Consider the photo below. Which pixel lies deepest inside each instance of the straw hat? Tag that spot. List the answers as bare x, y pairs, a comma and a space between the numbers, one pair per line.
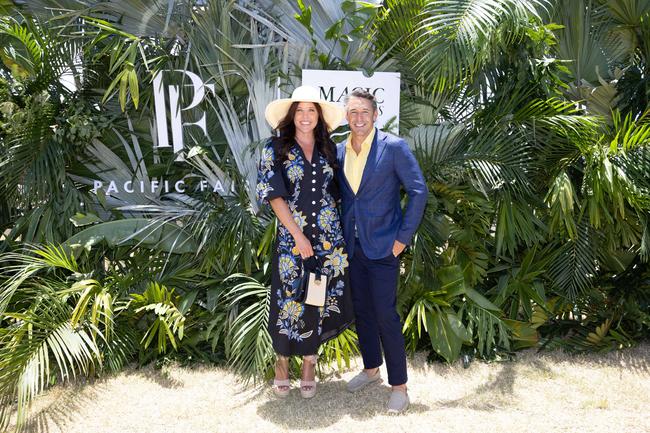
333, 114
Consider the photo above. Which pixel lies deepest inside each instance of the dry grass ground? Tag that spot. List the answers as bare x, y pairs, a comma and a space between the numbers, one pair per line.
548, 392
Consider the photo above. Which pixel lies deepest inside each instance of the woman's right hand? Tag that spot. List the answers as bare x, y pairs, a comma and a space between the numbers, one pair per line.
304, 246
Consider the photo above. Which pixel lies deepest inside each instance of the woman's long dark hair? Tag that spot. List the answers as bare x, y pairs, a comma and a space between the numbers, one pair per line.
287, 135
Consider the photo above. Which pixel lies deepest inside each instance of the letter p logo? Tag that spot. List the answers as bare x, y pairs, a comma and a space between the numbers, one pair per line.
176, 111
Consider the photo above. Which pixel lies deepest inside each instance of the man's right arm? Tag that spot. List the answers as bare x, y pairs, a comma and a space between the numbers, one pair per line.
410, 175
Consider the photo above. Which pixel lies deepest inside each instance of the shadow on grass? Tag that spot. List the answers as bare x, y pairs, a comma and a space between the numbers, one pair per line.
78, 396
61, 411
496, 394
634, 360
160, 376
331, 403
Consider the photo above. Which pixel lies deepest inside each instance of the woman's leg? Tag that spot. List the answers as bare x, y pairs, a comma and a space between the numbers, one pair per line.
281, 383
308, 376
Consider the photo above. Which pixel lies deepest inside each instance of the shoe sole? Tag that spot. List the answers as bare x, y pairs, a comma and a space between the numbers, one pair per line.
397, 412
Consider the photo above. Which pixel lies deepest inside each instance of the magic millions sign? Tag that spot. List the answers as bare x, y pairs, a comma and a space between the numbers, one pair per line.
336, 85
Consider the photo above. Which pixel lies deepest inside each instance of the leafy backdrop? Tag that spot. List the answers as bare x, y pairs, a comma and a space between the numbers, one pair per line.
529, 118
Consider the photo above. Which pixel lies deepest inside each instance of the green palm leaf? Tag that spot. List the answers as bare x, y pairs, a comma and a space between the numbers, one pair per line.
6, 6
248, 343
438, 147
340, 349
455, 35
574, 264
42, 333
150, 233
19, 267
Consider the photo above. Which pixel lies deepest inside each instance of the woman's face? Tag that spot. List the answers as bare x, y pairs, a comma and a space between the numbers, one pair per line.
306, 117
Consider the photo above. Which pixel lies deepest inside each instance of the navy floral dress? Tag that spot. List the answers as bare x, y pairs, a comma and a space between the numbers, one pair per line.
309, 189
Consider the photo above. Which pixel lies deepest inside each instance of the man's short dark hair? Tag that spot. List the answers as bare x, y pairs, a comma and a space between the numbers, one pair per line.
363, 94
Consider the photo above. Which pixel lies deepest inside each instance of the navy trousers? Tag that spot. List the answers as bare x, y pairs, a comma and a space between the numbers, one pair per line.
374, 294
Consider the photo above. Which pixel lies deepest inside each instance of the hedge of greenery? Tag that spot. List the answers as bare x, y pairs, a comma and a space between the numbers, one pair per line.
529, 118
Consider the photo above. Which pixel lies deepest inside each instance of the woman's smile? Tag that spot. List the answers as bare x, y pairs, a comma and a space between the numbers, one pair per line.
306, 117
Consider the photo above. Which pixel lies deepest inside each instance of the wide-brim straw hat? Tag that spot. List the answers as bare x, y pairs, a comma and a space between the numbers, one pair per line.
333, 114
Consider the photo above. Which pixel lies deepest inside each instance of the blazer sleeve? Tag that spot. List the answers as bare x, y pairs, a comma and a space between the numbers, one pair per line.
270, 177
412, 180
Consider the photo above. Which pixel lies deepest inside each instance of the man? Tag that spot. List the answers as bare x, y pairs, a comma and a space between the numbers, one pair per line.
373, 167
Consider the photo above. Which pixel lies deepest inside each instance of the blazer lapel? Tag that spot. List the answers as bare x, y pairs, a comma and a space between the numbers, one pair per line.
342, 167
376, 150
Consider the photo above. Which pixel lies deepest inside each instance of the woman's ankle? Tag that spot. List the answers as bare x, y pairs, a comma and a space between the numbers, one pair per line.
282, 368
308, 365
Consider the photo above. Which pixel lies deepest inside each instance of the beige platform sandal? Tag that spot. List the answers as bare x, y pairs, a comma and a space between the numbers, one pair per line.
308, 387
282, 387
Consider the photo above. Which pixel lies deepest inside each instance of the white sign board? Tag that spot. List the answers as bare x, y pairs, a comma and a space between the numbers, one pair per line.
336, 85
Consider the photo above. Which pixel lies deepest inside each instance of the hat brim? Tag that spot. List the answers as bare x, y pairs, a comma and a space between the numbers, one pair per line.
333, 114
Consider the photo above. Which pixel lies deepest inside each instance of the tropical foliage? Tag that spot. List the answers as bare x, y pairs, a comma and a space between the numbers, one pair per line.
530, 119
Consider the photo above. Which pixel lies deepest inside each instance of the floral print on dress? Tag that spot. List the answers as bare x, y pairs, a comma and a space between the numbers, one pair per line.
326, 219
287, 268
295, 171
307, 188
337, 261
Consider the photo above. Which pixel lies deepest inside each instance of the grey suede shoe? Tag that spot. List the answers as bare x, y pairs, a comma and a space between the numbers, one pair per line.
398, 402
362, 379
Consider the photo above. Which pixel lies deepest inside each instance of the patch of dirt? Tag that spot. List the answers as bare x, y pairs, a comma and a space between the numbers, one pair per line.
547, 392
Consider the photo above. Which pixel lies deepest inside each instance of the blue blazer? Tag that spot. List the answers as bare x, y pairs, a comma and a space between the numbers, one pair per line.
375, 209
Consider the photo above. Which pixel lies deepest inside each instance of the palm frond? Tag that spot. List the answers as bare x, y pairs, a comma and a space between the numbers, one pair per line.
437, 147
517, 224
581, 40
42, 333
499, 158
340, 349
248, 343
563, 202
242, 60
454, 35
20, 266
492, 334
153, 233
318, 21
158, 303
574, 265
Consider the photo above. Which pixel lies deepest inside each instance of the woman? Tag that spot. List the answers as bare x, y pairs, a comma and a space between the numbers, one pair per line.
296, 176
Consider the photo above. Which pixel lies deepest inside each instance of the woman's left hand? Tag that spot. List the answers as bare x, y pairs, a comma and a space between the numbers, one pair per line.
304, 246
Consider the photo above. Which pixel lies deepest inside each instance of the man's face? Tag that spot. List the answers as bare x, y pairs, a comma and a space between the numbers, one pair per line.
361, 116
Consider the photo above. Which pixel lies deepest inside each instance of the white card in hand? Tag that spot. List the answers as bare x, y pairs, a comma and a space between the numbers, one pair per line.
316, 290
